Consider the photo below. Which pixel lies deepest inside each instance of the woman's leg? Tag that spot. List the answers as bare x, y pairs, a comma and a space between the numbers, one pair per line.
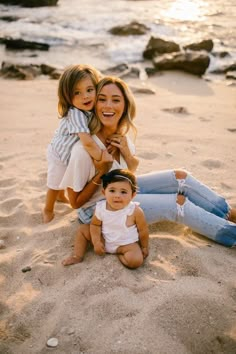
130, 255
177, 208
81, 242
179, 181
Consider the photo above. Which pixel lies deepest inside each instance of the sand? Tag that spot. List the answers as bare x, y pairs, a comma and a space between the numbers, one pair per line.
183, 299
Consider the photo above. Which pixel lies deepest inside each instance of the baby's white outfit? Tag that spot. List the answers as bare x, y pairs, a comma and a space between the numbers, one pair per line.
114, 229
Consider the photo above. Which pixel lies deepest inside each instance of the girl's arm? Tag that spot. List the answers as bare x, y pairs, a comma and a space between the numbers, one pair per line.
142, 230
78, 199
90, 146
96, 236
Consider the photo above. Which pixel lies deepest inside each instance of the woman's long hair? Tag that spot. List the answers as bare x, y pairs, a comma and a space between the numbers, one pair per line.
126, 121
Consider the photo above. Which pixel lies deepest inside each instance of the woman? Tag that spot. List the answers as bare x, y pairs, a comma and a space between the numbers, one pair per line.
172, 195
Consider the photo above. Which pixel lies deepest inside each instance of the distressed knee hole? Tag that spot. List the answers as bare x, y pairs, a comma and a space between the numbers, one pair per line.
180, 174
180, 199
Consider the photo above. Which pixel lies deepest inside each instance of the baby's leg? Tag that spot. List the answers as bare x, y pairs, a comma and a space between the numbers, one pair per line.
81, 242
130, 255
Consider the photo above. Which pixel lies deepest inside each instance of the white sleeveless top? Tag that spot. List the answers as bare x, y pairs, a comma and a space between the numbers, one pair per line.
114, 229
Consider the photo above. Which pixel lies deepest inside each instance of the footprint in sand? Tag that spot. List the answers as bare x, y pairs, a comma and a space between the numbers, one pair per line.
148, 155
212, 164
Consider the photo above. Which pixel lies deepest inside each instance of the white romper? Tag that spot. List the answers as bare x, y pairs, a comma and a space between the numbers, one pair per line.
114, 229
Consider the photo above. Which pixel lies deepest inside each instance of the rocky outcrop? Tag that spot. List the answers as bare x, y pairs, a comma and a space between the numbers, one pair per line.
206, 45
191, 62
133, 28
28, 72
21, 44
159, 46
30, 3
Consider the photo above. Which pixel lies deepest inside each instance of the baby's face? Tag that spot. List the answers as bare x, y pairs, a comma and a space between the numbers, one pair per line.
84, 95
118, 195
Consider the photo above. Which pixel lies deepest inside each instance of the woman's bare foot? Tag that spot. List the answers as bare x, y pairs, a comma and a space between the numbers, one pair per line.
47, 216
72, 260
232, 215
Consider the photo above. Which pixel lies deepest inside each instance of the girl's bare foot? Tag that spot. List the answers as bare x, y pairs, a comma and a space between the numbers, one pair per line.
72, 260
232, 215
47, 216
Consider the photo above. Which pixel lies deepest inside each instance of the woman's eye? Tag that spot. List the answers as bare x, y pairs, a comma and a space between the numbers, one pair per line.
101, 100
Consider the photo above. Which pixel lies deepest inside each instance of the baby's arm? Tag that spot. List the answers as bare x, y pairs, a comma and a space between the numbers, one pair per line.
96, 236
90, 146
142, 230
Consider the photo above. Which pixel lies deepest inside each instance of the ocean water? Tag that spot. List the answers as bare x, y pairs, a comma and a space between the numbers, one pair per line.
77, 30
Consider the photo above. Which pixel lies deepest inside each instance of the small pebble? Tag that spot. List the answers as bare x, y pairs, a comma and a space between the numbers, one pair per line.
52, 342
26, 269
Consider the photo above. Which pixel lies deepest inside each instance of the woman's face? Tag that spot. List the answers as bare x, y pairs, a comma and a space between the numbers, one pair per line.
110, 105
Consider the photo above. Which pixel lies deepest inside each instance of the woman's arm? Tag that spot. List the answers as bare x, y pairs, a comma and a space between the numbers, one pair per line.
78, 199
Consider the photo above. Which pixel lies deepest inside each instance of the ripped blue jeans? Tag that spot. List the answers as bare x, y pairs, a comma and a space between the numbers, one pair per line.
204, 211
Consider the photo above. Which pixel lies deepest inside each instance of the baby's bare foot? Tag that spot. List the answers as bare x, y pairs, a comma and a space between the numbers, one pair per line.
72, 260
47, 216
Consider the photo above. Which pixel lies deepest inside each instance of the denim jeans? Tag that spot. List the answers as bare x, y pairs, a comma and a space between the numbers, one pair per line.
204, 211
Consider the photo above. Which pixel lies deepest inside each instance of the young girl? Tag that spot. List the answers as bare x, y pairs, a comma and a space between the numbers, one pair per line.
76, 99
118, 225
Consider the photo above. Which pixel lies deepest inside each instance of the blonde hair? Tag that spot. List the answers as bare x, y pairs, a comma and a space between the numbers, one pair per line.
126, 121
67, 82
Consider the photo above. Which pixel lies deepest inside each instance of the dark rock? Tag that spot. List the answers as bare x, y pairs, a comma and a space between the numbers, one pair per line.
206, 44
9, 18
21, 72
133, 28
20, 44
30, 3
26, 269
230, 75
222, 54
159, 46
114, 70
191, 62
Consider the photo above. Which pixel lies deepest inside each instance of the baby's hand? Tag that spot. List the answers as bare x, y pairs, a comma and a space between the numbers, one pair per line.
145, 251
99, 248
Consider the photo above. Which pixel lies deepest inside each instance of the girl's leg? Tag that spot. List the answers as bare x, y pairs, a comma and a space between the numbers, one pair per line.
61, 197
179, 181
130, 255
51, 197
81, 242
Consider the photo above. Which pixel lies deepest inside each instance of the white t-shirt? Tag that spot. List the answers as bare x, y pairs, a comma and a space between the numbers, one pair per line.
81, 169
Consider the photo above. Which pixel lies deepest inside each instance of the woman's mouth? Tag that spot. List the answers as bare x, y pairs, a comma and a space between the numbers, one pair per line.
108, 114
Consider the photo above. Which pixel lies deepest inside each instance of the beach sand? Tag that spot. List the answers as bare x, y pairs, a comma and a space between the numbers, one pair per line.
183, 299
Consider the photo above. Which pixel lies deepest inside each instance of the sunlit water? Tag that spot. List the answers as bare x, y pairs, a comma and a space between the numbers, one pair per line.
77, 30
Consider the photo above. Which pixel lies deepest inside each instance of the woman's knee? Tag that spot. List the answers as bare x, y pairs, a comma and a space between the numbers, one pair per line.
180, 174
180, 199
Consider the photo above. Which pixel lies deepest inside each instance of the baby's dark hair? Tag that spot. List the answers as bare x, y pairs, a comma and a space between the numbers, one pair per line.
119, 175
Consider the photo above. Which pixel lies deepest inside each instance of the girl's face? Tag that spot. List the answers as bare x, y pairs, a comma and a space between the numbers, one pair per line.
110, 105
118, 195
84, 95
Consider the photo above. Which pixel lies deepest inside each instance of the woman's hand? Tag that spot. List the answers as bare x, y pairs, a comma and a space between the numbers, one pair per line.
104, 165
120, 142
